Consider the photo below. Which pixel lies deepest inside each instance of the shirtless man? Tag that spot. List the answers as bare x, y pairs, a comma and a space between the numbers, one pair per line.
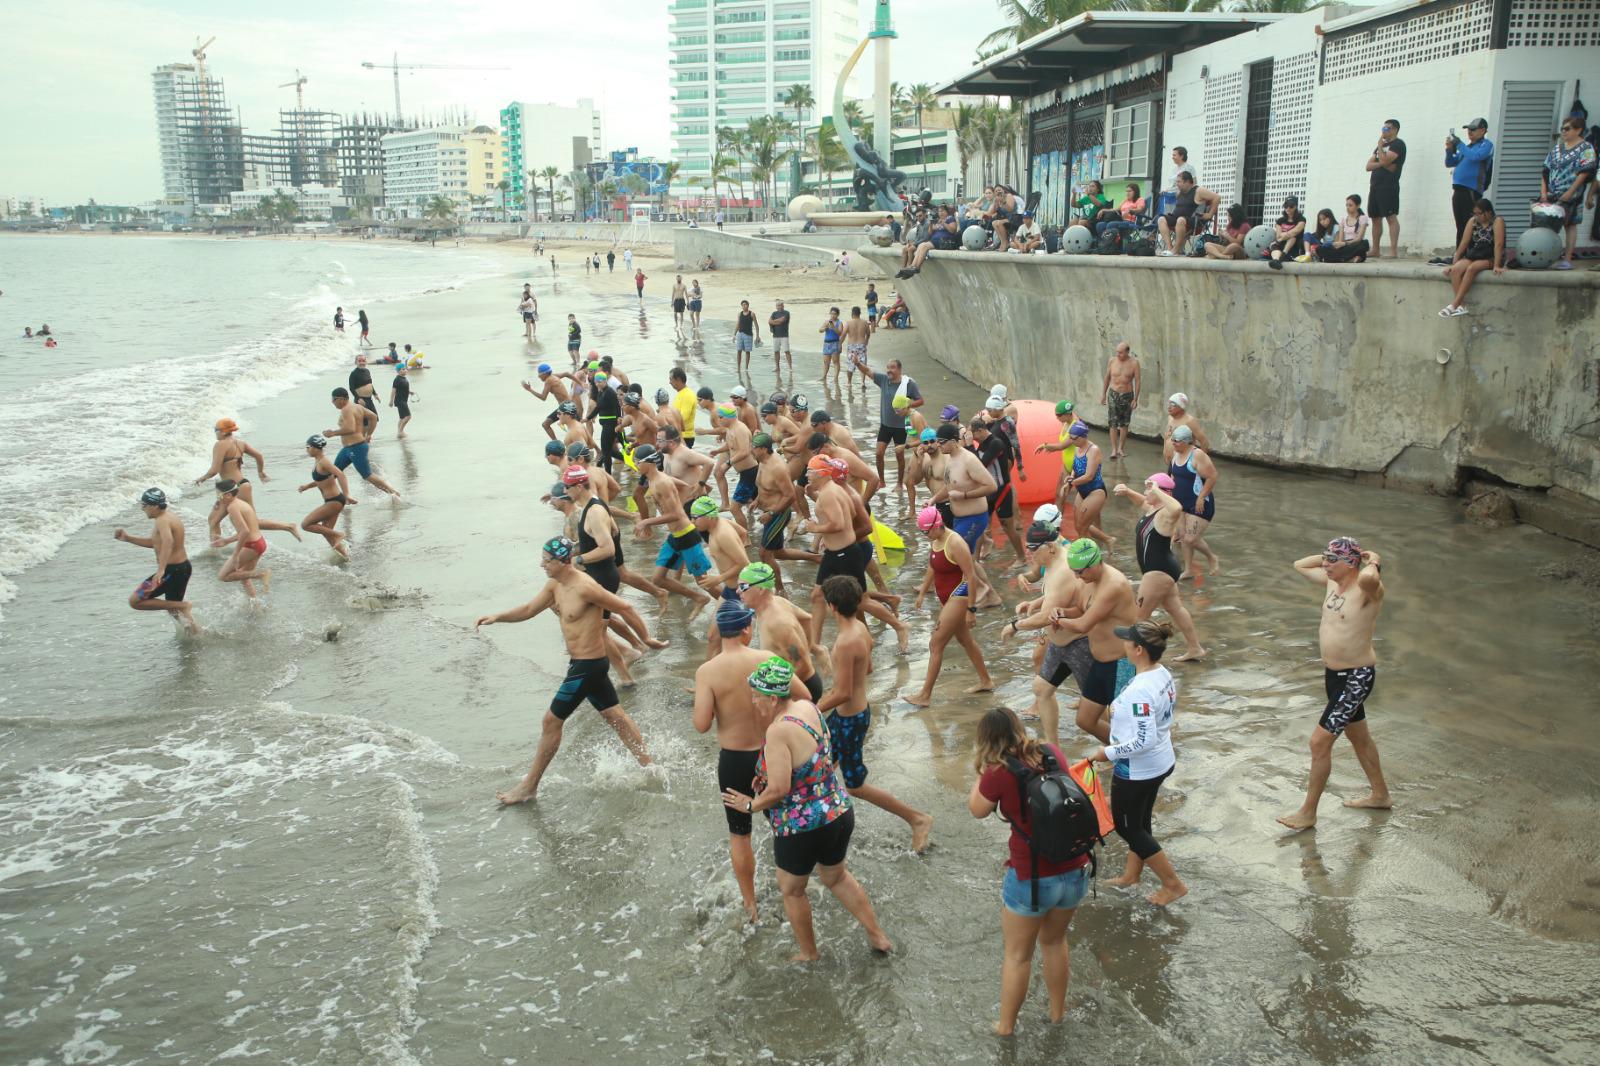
857, 332
353, 435
967, 488
164, 589
550, 387
573, 431
1178, 415
847, 711
252, 545
1352, 597
722, 696
774, 507
740, 398
692, 470
1064, 652
1106, 596
680, 300
781, 428
683, 545
1119, 391
783, 625
736, 437
580, 603
850, 552
822, 422
860, 472
666, 413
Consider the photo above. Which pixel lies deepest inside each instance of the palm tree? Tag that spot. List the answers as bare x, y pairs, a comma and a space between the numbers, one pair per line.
966, 136
799, 98
922, 97
669, 174
440, 208
763, 134
549, 174
830, 156
578, 182
1026, 18
605, 193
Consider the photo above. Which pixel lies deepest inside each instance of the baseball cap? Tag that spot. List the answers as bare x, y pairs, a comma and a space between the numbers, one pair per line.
1179, 400
1478, 124
1083, 553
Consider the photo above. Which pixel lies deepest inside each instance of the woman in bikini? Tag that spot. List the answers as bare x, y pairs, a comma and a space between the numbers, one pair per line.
329, 481
227, 462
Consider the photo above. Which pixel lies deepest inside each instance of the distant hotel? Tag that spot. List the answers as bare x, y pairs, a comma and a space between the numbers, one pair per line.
535, 136
734, 59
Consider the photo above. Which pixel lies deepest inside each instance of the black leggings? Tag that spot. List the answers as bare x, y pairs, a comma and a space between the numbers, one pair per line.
608, 442
1132, 804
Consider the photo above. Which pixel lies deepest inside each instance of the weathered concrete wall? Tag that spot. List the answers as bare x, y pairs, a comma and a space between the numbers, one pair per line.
1344, 368
736, 250
603, 232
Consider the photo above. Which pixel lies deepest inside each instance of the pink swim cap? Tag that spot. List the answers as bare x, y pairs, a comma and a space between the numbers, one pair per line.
1163, 482
929, 517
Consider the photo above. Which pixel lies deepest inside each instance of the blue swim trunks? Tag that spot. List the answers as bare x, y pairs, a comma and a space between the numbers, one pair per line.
354, 455
685, 549
745, 491
742, 342
969, 528
848, 735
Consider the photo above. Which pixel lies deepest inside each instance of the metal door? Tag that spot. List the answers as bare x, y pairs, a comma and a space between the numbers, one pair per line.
1530, 112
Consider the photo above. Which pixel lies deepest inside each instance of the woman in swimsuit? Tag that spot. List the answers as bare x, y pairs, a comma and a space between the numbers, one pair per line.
950, 572
1194, 478
329, 481
798, 788
1090, 497
1160, 520
696, 302
227, 462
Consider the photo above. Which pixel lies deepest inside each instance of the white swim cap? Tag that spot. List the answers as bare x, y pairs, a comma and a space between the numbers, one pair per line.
1179, 400
998, 390
1048, 515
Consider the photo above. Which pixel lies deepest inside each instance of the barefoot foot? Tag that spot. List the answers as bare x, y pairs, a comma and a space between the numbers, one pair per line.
1298, 821
881, 944
921, 826
266, 580
1371, 802
513, 796
1163, 896
986, 685
1123, 882
919, 700
1192, 656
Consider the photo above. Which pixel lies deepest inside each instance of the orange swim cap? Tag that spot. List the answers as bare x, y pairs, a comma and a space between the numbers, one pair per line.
227, 425
827, 466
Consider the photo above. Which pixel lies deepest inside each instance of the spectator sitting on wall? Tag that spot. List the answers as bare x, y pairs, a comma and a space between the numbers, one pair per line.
1231, 244
1027, 238
1195, 209
1569, 166
1287, 232
1482, 247
1350, 238
1124, 216
1007, 216
977, 209
1090, 205
917, 230
1472, 166
1320, 236
943, 234
1383, 195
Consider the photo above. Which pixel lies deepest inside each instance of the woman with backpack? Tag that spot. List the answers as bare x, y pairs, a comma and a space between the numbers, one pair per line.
798, 787
1038, 896
1141, 755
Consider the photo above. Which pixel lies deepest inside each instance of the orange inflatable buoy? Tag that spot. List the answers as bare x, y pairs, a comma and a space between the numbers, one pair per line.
1036, 425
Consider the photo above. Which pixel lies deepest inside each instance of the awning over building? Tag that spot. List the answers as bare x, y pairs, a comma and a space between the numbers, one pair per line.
1093, 43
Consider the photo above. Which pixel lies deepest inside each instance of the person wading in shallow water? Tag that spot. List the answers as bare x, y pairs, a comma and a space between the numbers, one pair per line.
581, 605
1353, 596
164, 589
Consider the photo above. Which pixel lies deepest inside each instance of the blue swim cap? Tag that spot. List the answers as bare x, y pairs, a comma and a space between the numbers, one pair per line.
929, 435
733, 617
544, 368
554, 447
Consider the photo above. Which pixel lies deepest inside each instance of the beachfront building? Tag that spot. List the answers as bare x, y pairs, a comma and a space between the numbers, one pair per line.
1275, 105
314, 201
733, 60
535, 136
359, 147
421, 165
484, 161
22, 207
202, 159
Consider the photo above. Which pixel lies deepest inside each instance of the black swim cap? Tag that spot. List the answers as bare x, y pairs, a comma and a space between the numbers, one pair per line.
316, 440
340, 392
647, 453
704, 393
820, 416
153, 497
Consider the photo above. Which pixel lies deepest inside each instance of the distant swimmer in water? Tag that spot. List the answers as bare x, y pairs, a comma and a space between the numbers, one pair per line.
353, 433
329, 481
44, 330
400, 397
27, 332
164, 589
338, 319
366, 327
251, 545
227, 461
580, 605
1352, 585
50, 342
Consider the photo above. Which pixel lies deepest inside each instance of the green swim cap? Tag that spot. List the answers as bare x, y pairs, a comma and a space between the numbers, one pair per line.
727, 412
758, 576
761, 440
772, 677
1065, 407
594, 364
1083, 553
704, 507
900, 402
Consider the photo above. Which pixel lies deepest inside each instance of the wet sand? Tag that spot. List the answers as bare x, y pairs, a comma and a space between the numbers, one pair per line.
294, 837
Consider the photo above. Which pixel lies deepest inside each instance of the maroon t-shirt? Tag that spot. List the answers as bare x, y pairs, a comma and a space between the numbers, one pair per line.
999, 785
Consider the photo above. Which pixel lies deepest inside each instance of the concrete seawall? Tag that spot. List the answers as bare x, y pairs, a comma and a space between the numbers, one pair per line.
738, 250
1340, 368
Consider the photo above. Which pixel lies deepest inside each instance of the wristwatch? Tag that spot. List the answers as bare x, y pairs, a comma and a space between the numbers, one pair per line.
749, 806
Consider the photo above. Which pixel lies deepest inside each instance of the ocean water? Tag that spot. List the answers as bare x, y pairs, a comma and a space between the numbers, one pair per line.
278, 842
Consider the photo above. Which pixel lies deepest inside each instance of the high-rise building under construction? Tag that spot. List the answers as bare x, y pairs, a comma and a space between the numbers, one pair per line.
202, 151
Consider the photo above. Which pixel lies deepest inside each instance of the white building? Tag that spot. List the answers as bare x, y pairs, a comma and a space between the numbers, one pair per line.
735, 59
419, 165
1296, 107
315, 201
535, 136
22, 206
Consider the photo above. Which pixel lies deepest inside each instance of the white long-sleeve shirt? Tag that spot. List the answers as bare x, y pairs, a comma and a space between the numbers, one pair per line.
1141, 726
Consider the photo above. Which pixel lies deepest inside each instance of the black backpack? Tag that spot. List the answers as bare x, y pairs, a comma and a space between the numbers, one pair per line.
1139, 242
1110, 243
1059, 813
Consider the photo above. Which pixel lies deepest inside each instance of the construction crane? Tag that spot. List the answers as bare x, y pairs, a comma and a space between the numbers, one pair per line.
396, 66
299, 84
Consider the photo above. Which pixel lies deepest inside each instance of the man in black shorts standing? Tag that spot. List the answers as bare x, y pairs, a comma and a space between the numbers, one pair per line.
778, 327
164, 589
1385, 163
581, 605
400, 397
892, 382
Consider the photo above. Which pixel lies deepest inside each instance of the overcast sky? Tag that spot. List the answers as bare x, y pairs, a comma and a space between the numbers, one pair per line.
77, 117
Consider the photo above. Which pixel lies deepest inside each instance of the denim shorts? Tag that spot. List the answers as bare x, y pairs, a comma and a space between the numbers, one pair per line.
1062, 892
